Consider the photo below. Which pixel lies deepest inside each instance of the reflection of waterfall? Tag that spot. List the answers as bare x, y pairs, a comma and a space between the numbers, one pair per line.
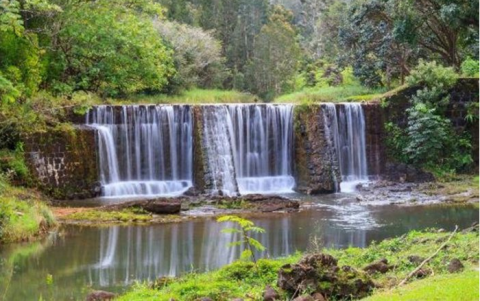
143, 150
347, 126
253, 143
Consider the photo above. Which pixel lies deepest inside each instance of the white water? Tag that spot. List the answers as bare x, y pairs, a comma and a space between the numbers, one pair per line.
347, 126
249, 148
143, 150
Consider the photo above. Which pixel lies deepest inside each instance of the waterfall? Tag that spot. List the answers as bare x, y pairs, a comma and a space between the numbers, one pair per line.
346, 125
143, 150
250, 147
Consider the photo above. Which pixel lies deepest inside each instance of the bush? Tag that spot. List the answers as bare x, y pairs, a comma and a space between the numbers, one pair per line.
429, 139
432, 75
470, 67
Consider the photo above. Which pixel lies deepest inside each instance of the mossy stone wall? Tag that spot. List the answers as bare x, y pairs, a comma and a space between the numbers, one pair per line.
63, 161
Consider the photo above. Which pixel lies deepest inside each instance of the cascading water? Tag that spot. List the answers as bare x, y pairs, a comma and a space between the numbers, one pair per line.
347, 126
143, 150
251, 147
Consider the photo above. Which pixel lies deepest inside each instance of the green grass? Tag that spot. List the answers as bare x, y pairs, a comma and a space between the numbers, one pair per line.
458, 287
23, 214
241, 280
331, 94
194, 96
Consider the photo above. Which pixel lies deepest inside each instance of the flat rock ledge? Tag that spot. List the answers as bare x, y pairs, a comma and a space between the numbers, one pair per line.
254, 203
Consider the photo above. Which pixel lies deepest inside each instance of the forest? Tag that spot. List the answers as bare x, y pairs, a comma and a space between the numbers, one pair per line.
239, 150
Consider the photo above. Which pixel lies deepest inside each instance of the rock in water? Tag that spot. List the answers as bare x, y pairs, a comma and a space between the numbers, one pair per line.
100, 296
319, 273
455, 266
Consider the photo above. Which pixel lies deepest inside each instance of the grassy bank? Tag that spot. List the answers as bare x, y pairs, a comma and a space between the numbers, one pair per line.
241, 279
331, 94
194, 96
462, 286
23, 214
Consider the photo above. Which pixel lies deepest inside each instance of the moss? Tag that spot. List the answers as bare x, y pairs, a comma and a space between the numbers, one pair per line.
123, 216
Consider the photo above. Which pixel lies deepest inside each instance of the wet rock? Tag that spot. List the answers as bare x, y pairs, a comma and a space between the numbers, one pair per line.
455, 266
156, 206
205, 299
192, 191
415, 259
100, 296
380, 266
400, 172
268, 203
237, 299
270, 294
162, 206
319, 273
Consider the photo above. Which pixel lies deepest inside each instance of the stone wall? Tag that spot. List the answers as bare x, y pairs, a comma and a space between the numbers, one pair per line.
462, 95
316, 168
374, 135
200, 172
63, 162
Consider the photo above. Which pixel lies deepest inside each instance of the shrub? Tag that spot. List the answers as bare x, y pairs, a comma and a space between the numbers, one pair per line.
470, 68
432, 75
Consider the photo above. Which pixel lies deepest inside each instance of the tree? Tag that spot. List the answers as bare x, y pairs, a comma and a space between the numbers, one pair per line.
275, 56
444, 28
108, 47
197, 55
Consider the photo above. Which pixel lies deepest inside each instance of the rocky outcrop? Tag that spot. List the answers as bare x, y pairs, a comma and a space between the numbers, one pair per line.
155, 206
319, 273
316, 166
63, 161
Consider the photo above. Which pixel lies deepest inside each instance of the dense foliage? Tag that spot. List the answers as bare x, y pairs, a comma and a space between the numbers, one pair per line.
429, 140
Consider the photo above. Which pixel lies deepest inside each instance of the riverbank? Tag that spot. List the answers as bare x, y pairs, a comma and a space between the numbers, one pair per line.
24, 214
385, 263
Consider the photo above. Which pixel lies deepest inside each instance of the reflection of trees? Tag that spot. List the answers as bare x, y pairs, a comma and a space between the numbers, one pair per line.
13, 259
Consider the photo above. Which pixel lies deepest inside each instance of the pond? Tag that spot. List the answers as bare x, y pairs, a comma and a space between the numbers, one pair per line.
112, 258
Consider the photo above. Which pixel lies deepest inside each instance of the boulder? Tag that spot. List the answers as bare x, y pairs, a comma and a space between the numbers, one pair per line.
319, 273
380, 266
156, 206
100, 296
270, 294
162, 206
455, 266
400, 172
417, 260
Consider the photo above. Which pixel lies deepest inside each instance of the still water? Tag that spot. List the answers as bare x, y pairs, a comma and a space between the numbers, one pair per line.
112, 258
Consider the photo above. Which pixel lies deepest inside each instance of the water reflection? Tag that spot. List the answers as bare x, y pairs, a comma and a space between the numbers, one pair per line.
112, 257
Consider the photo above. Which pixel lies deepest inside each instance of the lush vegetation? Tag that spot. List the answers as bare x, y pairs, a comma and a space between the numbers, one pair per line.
429, 139
23, 214
242, 280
